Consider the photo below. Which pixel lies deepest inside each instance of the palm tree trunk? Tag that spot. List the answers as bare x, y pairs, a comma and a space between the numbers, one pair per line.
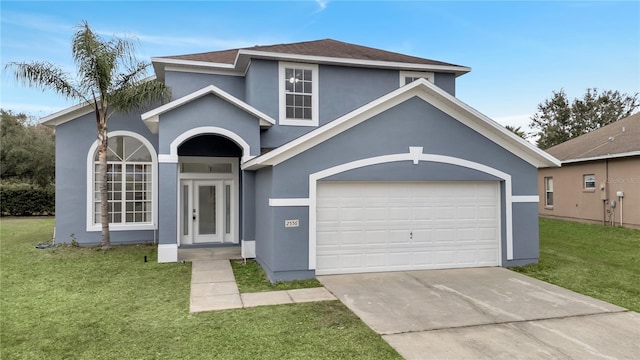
103, 143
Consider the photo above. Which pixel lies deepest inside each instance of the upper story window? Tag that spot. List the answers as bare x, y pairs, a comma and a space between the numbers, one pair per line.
407, 77
298, 94
130, 186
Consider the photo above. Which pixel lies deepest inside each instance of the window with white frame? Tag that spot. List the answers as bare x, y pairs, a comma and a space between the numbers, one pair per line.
589, 182
407, 77
130, 190
298, 94
548, 188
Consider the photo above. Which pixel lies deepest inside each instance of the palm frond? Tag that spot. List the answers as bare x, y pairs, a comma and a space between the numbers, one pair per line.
46, 76
138, 95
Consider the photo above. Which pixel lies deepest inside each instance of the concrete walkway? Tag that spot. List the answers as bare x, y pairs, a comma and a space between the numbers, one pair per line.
213, 287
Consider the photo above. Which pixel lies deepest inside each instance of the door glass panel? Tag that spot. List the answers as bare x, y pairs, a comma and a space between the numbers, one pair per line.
185, 209
227, 209
207, 209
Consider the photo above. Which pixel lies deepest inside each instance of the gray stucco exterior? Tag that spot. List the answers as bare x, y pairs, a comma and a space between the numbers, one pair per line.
214, 127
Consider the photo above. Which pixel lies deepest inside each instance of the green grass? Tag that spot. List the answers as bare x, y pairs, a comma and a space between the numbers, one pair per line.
84, 303
595, 260
251, 278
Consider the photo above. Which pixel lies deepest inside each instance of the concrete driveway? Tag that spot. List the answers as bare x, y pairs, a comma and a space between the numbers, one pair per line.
486, 313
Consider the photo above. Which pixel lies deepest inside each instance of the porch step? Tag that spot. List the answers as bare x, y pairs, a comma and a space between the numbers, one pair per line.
213, 253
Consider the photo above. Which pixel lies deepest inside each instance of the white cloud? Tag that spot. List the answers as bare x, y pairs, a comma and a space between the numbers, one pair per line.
322, 4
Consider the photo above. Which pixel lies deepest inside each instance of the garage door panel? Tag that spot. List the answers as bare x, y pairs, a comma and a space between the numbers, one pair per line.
378, 226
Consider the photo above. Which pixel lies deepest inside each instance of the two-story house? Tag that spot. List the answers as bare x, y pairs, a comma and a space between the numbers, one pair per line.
318, 157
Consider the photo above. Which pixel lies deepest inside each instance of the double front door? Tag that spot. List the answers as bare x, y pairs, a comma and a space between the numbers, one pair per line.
207, 211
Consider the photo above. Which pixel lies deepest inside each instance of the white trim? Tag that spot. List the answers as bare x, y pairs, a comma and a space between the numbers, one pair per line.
167, 158
167, 253
458, 70
602, 157
90, 226
248, 249
525, 198
429, 76
313, 180
152, 117
66, 115
244, 56
315, 113
289, 202
173, 148
431, 94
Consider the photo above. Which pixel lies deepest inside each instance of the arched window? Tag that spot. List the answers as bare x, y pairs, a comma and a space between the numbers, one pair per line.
130, 183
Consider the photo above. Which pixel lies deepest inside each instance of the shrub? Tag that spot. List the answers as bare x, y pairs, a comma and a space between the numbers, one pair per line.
25, 200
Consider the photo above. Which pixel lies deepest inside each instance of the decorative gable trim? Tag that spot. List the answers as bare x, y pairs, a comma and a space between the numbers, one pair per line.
151, 118
432, 95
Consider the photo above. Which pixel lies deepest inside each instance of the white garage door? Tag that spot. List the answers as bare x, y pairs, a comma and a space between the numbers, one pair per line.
393, 226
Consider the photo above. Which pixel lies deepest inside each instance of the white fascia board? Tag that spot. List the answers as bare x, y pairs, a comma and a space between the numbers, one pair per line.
602, 157
68, 114
193, 63
481, 123
431, 94
153, 116
243, 58
458, 70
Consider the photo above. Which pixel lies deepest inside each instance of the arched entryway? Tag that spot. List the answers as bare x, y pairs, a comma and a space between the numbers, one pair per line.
209, 188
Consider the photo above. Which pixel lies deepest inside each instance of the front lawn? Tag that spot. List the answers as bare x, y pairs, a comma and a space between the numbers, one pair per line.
251, 278
83, 303
595, 260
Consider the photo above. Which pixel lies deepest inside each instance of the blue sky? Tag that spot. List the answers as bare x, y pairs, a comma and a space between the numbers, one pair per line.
519, 51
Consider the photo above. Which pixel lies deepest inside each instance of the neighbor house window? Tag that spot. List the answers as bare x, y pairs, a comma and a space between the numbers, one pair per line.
548, 187
407, 77
130, 185
589, 182
298, 94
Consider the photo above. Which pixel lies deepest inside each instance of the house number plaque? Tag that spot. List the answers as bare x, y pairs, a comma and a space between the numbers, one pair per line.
292, 223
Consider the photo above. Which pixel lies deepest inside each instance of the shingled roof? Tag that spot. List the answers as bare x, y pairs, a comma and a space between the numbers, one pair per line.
325, 48
614, 140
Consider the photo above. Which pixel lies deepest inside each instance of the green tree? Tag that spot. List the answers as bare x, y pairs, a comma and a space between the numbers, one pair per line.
517, 130
108, 78
27, 153
559, 120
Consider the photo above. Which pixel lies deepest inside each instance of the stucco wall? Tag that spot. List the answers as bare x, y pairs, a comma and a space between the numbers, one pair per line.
73, 141
573, 202
412, 123
184, 83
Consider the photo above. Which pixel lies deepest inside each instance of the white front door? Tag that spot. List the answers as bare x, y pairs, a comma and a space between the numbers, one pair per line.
207, 211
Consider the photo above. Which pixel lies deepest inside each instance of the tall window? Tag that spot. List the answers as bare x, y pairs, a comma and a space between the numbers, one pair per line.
548, 187
129, 182
298, 94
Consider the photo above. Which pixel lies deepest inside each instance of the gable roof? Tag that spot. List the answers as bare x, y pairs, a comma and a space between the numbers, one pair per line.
618, 139
429, 93
327, 51
152, 117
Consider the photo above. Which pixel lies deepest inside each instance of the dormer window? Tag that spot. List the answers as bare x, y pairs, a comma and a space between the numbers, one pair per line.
298, 94
407, 77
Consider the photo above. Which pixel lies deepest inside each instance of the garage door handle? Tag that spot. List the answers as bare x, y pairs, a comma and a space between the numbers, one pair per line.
411, 235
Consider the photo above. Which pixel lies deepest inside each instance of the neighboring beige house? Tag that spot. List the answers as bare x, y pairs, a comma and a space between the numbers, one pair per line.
599, 180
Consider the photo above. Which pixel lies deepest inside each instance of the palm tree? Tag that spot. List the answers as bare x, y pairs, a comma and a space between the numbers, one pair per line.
108, 78
518, 131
